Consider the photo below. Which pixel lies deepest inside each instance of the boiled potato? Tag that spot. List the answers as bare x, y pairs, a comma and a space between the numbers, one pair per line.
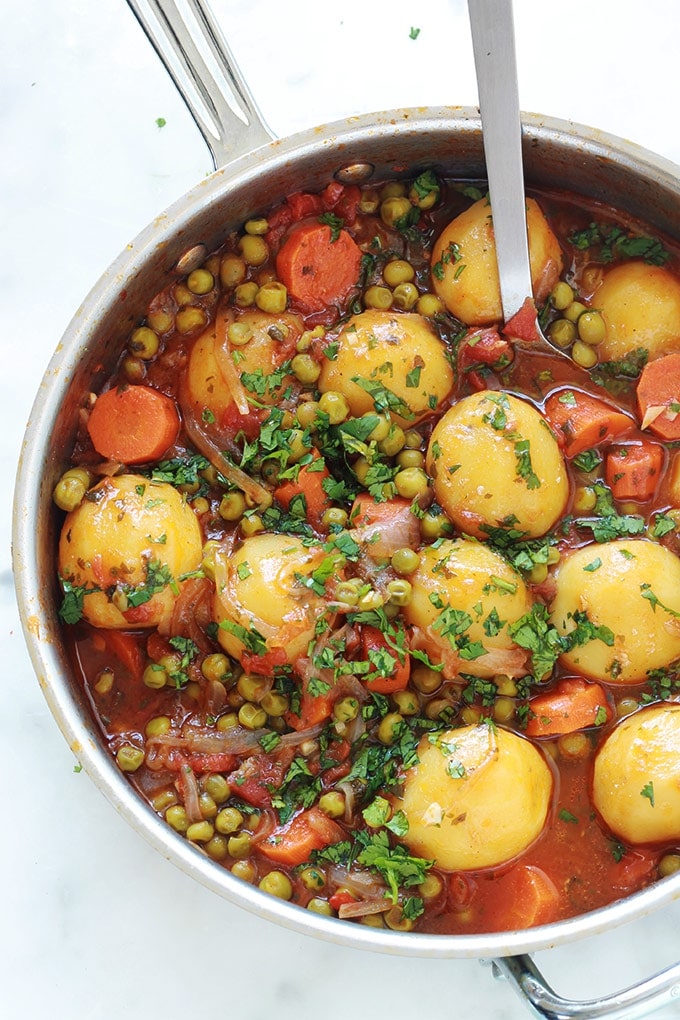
493, 458
478, 797
636, 780
398, 356
128, 533
640, 305
464, 270
474, 580
215, 361
259, 588
632, 587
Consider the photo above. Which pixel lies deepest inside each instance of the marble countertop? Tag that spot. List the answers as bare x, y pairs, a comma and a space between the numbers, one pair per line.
94, 923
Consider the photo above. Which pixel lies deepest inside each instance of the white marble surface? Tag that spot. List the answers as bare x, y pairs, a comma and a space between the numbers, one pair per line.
93, 923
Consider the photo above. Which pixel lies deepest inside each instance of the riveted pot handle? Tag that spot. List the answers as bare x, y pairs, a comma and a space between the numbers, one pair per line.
635, 1001
186, 37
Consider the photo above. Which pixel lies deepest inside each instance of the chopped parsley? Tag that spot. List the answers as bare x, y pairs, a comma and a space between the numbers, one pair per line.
613, 242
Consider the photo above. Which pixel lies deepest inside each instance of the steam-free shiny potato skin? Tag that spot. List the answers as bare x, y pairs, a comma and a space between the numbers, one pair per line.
257, 587
473, 458
265, 351
398, 351
609, 582
122, 525
465, 276
640, 305
479, 796
636, 778
460, 573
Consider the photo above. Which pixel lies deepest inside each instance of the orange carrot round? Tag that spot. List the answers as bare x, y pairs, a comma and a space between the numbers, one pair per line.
133, 425
633, 470
658, 397
574, 705
318, 268
293, 842
582, 421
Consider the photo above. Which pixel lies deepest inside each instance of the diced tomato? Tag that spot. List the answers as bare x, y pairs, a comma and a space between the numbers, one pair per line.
293, 842
259, 774
264, 665
523, 325
486, 347
374, 644
339, 899
124, 647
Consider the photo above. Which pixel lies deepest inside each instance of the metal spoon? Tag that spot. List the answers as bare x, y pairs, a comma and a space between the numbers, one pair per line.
493, 40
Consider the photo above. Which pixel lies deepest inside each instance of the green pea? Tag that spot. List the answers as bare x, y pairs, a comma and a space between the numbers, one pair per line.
405, 561
411, 482
346, 709
390, 727
228, 820
144, 343
335, 405
252, 716
313, 878
129, 758
200, 832
240, 845
399, 592
154, 676
176, 817
217, 787
562, 332
276, 883
584, 355
335, 517
200, 281
320, 906
562, 296
591, 328
332, 804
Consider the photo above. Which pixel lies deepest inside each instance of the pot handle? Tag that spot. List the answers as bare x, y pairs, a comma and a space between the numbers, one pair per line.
195, 54
635, 1001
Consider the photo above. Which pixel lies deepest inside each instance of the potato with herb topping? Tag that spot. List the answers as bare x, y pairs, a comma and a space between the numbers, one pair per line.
640, 305
269, 594
384, 361
494, 459
127, 544
479, 796
636, 780
240, 357
464, 269
463, 596
628, 593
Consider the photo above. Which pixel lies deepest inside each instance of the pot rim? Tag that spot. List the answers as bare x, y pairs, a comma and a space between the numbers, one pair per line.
42, 635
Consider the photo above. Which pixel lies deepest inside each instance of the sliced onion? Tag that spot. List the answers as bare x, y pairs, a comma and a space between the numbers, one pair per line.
226, 364
359, 883
188, 788
382, 539
652, 413
362, 908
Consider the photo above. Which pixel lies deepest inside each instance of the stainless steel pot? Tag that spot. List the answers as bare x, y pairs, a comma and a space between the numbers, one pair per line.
557, 155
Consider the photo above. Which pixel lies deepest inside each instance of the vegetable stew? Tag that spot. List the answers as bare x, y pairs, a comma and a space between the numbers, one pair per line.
375, 604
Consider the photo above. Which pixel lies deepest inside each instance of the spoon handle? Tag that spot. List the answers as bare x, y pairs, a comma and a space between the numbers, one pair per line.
493, 41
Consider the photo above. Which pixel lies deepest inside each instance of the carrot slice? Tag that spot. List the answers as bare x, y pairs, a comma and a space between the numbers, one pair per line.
582, 421
373, 640
525, 897
293, 842
632, 471
316, 269
133, 425
658, 397
574, 705
308, 486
